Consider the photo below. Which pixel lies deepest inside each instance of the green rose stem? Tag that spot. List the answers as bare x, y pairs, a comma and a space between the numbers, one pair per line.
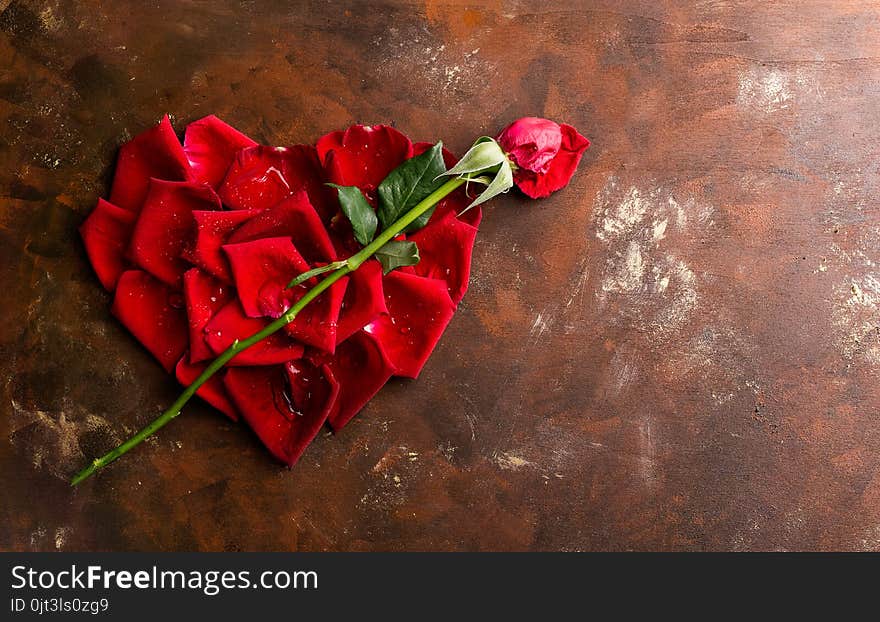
345, 267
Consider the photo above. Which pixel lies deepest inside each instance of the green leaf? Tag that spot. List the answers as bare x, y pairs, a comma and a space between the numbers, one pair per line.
408, 184
358, 211
398, 253
502, 182
482, 157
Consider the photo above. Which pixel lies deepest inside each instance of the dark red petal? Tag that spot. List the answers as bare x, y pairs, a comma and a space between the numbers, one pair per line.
285, 405
419, 309
362, 155
294, 217
255, 180
165, 227
155, 153
361, 369
457, 202
105, 234
572, 140
231, 323
316, 325
263, 268
154, 314
204, 296
213, 391
562, 167
363, 301
261, 176
445, 248
342, 236
210, 146
211, 231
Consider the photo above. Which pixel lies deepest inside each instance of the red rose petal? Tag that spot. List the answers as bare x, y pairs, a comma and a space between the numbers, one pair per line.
105, 234
213, 391
165, 226
445, 248
457, 202
260, 177
154, 314
263, 268
294, 217
155, 153
204, 296
419, 309
363, 301
231, 323
561, 169
255, 180
361, 369
317, 324
210, 146
362, 155
285, 405
211, 231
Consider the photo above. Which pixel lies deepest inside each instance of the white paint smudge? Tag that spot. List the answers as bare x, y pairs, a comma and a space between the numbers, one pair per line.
579, 287
50, 21
858, 320
541, 325
471, 419
51, 440
772, 89
647, 285
447, 450
623, 215
767, 89
659, 229
871, 539
391, 476
625, 275
442, 71
722, 398
37, 537
61, 535
511, 462
866, 294
647, 453
720, 362
623, 369
855, 312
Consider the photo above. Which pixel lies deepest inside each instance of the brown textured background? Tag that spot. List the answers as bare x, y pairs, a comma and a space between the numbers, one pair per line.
681, 350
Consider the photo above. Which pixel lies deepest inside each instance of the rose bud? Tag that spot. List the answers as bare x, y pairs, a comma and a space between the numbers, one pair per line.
545, 154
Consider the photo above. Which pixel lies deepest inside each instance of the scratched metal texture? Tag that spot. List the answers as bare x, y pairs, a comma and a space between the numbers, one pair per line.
679, 351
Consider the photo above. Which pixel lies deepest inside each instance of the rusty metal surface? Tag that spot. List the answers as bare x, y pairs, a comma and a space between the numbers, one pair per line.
679, 351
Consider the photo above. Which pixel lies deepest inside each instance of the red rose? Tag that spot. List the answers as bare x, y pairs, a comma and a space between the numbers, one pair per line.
199, 241
545, 154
